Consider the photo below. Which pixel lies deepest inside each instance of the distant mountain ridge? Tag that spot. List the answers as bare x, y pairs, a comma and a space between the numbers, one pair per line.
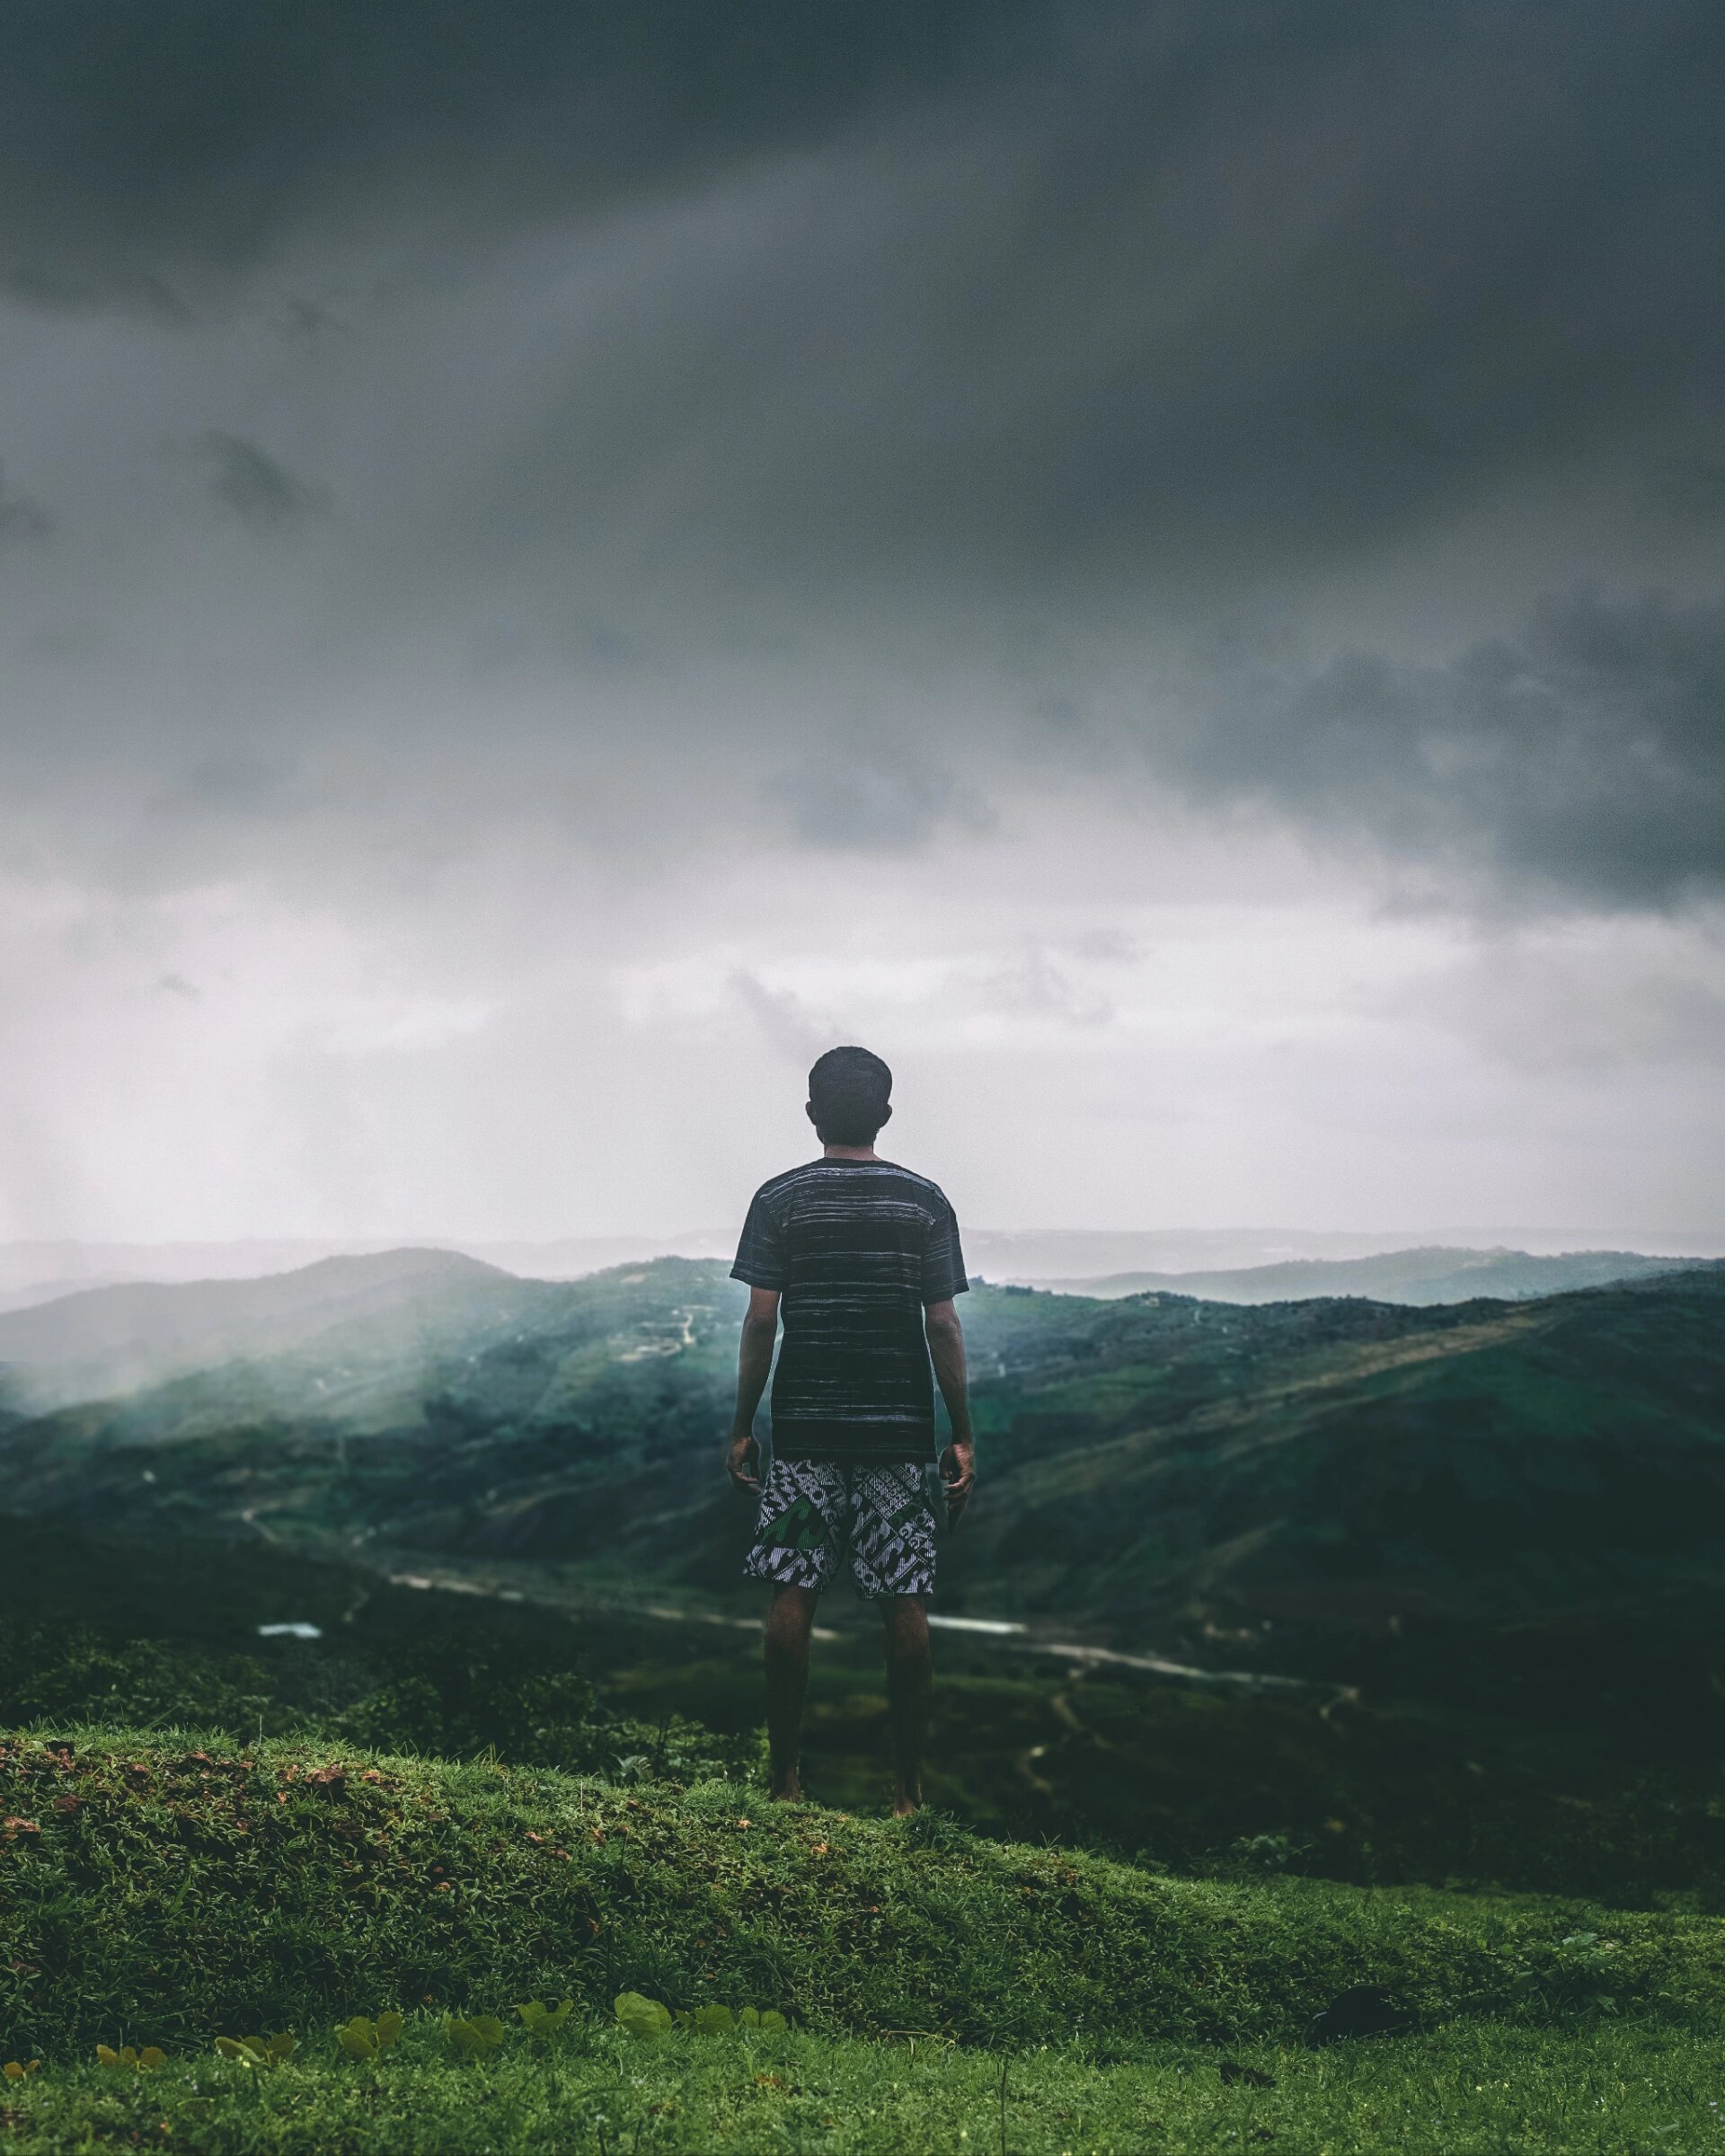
34, 1271
30, 1271
1437, 1274
99, 1341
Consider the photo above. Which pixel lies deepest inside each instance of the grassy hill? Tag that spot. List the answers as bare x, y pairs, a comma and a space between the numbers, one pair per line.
175, 1891
185, 1887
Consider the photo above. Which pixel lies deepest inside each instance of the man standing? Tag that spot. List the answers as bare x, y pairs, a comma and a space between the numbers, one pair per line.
862, 1260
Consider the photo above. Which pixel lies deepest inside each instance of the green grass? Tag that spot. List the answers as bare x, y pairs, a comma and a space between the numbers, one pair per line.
1466, 2091
164, 1891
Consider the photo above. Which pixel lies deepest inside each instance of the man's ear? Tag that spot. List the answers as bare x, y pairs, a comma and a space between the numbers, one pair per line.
809, 1109
886, 1115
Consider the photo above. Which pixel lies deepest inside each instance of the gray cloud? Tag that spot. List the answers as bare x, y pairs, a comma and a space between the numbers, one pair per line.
1051, 292
855, 801
786, 1022
1035, 986
1632, 1001
697, 379
21, 517
155, 158
787, 458
249, 483
1581, 760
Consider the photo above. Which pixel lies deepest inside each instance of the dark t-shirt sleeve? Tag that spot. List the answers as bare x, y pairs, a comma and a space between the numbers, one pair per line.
760, 1255
942, 1258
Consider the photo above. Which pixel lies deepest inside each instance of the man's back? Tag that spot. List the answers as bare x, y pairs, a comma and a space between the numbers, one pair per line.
861, 1260
857, 1250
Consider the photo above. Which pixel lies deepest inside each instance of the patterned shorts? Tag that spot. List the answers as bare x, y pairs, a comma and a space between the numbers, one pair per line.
816, 1512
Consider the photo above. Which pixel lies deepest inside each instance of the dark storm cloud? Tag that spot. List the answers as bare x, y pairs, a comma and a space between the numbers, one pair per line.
680, 342
1205, 291
1585, 756
1144, 283
152, 154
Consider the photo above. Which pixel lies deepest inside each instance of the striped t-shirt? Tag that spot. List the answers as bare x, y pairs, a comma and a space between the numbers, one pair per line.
857, 1249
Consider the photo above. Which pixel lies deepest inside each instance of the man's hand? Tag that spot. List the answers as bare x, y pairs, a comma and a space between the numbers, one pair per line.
958, 1472
743, 1462
946, 1351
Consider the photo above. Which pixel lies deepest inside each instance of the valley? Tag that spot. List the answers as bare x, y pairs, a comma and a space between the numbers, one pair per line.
1382, 1590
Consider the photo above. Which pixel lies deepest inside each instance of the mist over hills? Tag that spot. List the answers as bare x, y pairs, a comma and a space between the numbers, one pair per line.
103, 1341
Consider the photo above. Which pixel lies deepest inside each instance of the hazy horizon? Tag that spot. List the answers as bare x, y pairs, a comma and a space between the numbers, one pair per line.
1000, 1254
1162, 568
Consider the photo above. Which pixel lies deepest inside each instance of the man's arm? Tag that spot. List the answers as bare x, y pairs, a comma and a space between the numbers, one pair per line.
946, 1352
754, 1362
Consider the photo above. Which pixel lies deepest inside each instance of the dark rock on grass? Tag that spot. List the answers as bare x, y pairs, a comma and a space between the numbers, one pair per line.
1231, 2069
1362, 2009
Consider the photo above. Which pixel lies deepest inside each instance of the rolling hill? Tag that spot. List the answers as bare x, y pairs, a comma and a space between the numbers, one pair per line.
1332, 1484
1327, 1486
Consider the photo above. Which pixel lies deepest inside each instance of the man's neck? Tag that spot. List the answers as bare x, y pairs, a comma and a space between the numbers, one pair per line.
849, 1153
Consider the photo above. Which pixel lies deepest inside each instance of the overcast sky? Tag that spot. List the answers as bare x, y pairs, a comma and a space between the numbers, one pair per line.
1162, 566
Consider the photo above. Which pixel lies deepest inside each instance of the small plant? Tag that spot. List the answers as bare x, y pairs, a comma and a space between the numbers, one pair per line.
473, 2037
130, 2060
1582, 1970
16, 2072
644, 2018
541, 2021
364, 2039
262, 2053
650, 2021
707, 2021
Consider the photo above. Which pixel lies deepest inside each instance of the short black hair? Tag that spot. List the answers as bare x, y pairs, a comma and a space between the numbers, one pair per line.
849, 1091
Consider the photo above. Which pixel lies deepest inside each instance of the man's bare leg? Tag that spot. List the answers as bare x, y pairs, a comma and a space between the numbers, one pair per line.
910, 1672
790, 1620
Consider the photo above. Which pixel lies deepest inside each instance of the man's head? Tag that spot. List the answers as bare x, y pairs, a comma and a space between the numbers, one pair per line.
848, 1097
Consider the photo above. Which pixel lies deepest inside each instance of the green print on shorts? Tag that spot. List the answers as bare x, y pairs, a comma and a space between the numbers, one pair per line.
799, 1527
